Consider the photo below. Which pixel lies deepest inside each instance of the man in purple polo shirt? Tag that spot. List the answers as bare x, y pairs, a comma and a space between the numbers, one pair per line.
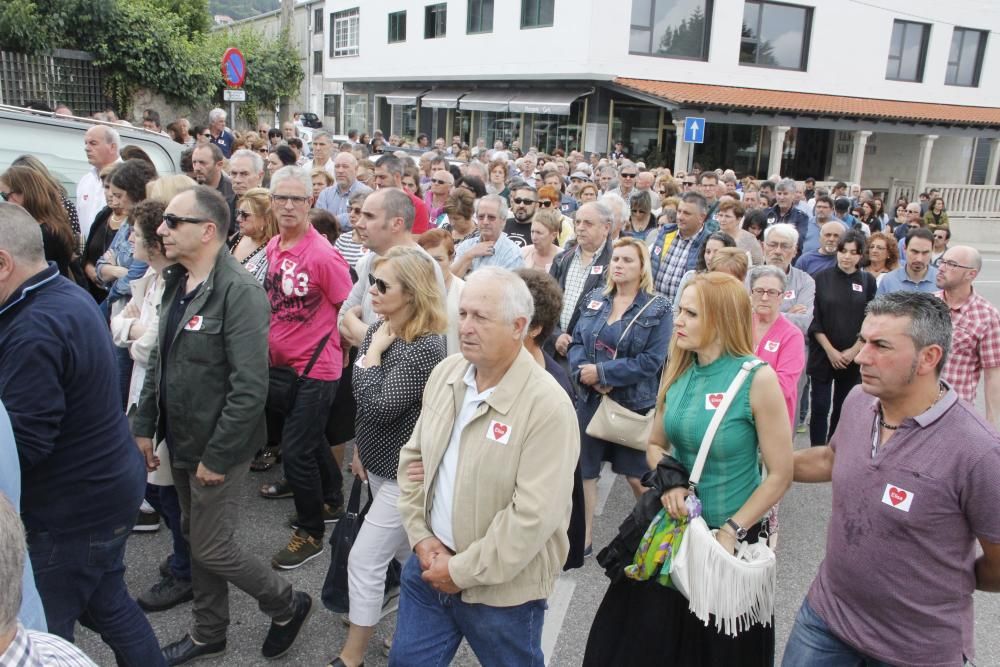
916, 483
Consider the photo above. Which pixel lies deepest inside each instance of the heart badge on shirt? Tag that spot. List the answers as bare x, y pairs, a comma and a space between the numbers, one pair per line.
857, 288
772, 345
594, 305
596, 270
790, 294
498, 432
713, 401
194, 324
896, 497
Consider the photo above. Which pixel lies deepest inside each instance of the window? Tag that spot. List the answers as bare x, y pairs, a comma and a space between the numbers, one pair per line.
318, 21
965, 60
318, 62
671, 28
435, 20
397, 27
331, 106
344, 36
480, 17
537, 13
907, 51
775, 35
356, 112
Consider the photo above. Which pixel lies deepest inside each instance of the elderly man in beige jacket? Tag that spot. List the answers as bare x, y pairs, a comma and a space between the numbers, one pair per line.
498, 440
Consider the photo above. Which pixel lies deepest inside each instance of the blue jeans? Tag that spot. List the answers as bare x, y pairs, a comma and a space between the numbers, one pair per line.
431, 625
164, 500
811, 644
82, 576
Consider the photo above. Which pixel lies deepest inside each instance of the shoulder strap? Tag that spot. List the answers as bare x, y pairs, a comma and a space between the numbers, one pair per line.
720, 413
629, 325
315, 355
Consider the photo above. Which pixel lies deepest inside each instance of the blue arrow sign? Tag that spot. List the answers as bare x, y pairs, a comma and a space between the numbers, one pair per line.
694, 130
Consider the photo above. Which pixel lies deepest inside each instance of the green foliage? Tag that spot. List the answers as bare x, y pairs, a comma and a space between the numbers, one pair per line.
194, 14
241, 9
22, 27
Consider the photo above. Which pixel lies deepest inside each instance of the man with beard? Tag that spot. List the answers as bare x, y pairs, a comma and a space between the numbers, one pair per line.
206, 165
917, 275
524, 203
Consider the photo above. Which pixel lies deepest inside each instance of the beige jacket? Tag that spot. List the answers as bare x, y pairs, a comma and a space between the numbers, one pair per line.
512, 501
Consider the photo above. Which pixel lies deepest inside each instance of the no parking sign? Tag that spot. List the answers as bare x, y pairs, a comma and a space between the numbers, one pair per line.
234, 67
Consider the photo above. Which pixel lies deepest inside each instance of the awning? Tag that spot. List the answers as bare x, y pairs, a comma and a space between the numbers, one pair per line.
404, 95
487, 100
553, 101
443, 98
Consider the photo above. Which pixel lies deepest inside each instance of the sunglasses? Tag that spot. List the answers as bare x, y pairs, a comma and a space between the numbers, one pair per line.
525, 202
171, 220
242, 215
378, 284
628, 175
545, 203
437, 181
207, 135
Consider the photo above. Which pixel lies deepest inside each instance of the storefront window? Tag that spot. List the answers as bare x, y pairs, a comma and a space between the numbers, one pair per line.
636, 126
404, 121
498, 126
551, 131
356, 112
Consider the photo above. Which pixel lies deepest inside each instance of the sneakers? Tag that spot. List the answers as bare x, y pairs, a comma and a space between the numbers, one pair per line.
390, 603
301, 549
330, 515
146, 522
801, 428
280, 638
185, 650
166, 594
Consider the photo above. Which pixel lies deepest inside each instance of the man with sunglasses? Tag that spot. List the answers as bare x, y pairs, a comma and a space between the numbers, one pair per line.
975, 329
524, 203
626, 180
204, 395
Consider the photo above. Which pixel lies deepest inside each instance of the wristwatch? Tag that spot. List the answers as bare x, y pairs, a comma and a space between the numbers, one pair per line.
740, 531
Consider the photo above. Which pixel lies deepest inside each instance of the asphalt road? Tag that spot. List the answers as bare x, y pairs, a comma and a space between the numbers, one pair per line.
805, 511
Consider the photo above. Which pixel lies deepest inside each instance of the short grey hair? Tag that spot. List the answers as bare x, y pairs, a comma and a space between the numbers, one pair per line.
215, 114
603, 212
292, 172
111, 136
514, 296
479, 168
782, 229
768, 271
930, 318
785, 185
697, 199
397, 204
501, 203
20, 234
615, 204
256, 160
12, 554
322, 133
210, 204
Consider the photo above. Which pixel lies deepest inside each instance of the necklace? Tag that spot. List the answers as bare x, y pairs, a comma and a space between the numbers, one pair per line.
892, 427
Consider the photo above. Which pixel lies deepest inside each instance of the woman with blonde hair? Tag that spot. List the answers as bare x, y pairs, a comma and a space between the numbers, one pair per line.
647, 622
395, 359
619, 345
165, 188
734, 261
441, 247
258, 225
546, 226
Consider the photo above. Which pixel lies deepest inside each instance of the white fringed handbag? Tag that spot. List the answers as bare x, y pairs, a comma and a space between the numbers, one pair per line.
737, 589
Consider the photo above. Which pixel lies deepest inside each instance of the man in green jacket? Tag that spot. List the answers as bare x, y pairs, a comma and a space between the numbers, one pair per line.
205, 395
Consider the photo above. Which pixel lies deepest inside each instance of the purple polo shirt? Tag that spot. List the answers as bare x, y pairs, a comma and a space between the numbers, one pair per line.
898, 578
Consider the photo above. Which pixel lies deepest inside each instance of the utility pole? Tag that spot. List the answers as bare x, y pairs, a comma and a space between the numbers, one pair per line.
287, 25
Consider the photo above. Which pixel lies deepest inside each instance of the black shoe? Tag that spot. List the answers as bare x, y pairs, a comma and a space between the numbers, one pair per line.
167, 593
185, 650
330, 515
337, 662
280, 638
165, 568
146, 522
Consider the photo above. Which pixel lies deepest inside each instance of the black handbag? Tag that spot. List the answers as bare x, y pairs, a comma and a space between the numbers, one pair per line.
283, 382
335, 594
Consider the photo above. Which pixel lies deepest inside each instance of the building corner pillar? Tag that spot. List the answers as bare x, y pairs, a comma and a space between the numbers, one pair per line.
923, 163
778, 133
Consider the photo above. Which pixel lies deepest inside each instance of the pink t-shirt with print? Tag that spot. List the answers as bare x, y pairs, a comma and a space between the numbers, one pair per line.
306, 285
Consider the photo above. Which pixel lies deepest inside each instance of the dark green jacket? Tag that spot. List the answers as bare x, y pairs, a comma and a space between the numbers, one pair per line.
217, 373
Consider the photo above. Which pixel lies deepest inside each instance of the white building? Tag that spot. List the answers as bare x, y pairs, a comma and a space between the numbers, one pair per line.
826, 88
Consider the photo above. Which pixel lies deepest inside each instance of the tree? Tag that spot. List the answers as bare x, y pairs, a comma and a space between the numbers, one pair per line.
22, 27
687, 38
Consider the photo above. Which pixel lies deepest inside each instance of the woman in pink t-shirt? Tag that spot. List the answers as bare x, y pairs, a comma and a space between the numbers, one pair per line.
776, 340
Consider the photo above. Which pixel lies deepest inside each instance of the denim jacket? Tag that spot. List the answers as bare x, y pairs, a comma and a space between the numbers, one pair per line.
635, 373
123, 248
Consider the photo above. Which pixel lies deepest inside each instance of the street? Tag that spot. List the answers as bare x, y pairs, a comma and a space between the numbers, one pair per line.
804, 514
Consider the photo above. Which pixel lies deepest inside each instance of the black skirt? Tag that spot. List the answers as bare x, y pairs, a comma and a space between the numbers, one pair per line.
643, 623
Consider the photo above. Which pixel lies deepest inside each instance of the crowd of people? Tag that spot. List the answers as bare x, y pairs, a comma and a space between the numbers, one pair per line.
464, 317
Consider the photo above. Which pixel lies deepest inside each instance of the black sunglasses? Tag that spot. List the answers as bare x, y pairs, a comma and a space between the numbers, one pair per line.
545, 203
518, 200
437, 181
378, 283
171, 220
628, 175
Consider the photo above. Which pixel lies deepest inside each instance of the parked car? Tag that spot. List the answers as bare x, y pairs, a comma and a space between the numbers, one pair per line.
58, 142
309, 119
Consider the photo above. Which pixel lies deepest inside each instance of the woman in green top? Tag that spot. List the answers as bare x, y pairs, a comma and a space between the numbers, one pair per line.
713, 336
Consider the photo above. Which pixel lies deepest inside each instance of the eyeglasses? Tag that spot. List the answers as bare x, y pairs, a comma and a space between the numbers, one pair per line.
379, 284
627, 175
525, 202
774, 245
954, 265
688, 183
769, 293
437, 181
242, 215
171, 220
284, 199
207, 135
263, 151
545, 203
356, 210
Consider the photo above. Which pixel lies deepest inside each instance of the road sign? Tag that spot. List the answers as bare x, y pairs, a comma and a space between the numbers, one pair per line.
234, 67
694, 130
234, 95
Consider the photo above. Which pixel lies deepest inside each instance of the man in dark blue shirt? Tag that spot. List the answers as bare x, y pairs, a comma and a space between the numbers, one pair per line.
82, 475
784, 210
